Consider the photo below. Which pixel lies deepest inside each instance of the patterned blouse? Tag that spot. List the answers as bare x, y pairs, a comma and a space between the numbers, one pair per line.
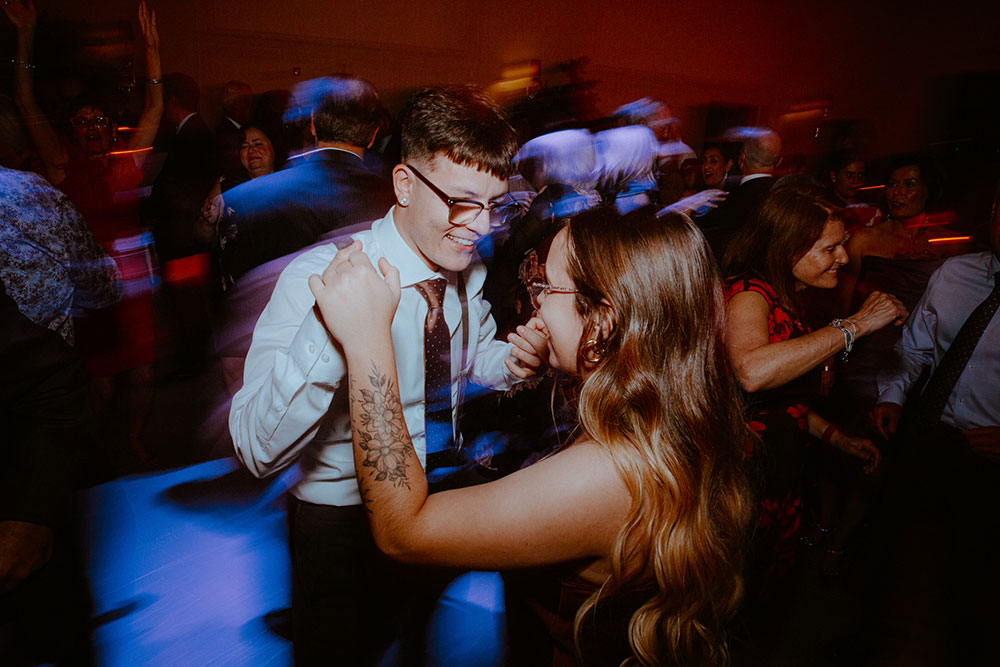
50, 263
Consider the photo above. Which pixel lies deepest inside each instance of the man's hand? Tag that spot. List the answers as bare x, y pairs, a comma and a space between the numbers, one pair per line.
24, 548
884, 418
531, 349
355, 301
985, 442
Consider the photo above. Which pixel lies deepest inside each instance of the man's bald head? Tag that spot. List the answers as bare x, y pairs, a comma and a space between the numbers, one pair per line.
761, 151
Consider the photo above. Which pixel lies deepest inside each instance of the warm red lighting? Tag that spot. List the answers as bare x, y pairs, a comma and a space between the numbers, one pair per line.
123, 128
872, 187
131, 151
950, 239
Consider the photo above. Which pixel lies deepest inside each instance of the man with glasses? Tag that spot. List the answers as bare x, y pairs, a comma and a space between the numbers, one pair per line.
293, 407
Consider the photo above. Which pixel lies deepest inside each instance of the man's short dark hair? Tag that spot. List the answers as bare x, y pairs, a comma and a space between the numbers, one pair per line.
461, 122
346, 111
182, 88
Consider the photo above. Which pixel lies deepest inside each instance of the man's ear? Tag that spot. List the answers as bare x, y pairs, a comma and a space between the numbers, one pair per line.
312, 126
371, 142
402, 184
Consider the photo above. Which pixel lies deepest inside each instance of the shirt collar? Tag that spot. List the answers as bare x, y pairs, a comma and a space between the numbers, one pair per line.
237, 125
992, 266
750, 177
186, 118
412, 268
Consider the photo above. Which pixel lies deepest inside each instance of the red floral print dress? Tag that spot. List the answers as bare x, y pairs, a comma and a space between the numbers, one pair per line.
778, 416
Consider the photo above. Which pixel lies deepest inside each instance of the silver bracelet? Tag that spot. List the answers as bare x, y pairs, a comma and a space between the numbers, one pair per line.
22, 64
848, 335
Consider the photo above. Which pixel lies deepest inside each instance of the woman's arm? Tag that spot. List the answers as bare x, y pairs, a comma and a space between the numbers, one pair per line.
53, 152
761, 364
206, 228
149, 121
862, 448
568, 507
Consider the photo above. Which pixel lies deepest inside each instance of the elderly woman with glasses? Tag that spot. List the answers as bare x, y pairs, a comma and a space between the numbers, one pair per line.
100, 172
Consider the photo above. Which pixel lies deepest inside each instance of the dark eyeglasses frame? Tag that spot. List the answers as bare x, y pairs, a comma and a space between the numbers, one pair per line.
452, 201
96, 121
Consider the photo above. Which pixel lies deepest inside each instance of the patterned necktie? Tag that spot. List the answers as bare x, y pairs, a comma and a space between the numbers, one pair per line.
944, 378
437, 382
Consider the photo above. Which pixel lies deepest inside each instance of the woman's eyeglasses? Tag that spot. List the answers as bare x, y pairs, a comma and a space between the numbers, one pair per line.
537, 288
96, 121
462, 212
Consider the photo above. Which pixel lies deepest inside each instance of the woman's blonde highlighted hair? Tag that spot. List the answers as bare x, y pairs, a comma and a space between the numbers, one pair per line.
663, 400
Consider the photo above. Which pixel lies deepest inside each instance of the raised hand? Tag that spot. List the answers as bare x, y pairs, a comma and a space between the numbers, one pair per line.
879, 310
147, 24
21, 13
357, 303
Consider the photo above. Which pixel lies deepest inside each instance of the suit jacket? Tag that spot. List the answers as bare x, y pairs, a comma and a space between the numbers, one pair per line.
279, 213
179, 191
721, 224
228, 140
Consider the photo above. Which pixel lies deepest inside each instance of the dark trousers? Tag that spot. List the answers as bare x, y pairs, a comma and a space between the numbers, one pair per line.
349, 601
939, 534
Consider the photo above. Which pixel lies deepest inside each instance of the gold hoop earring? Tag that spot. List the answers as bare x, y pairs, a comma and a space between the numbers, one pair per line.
592, 350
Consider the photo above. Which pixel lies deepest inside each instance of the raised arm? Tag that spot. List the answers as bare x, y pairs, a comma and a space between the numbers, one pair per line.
761, 364
568, 507
149, 121
53, 152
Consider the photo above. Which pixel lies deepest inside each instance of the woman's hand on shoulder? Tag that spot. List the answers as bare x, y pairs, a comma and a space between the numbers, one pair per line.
879, 310
355, 300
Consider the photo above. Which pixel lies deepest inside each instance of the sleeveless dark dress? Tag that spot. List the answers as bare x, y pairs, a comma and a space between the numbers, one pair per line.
541, 609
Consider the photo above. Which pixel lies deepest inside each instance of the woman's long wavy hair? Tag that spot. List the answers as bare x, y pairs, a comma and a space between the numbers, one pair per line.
662, 399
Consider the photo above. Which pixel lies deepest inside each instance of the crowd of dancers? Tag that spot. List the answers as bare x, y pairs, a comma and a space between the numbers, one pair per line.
642, 381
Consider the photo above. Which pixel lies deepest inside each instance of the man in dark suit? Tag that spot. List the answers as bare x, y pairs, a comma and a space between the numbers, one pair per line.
759, 157
237, 104
180, 189
188, 171
325, 188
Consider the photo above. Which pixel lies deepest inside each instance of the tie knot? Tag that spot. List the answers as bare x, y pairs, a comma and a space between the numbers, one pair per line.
433, 291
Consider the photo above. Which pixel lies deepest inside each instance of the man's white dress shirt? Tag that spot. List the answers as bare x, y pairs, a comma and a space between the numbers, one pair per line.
293, 405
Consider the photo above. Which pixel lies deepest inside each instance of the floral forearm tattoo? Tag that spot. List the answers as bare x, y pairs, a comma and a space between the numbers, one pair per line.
381, 431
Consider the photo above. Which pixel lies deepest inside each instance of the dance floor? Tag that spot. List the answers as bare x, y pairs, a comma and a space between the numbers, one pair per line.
186, 565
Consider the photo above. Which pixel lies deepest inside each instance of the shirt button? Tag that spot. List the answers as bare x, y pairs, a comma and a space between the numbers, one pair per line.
325, 358
312, 348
